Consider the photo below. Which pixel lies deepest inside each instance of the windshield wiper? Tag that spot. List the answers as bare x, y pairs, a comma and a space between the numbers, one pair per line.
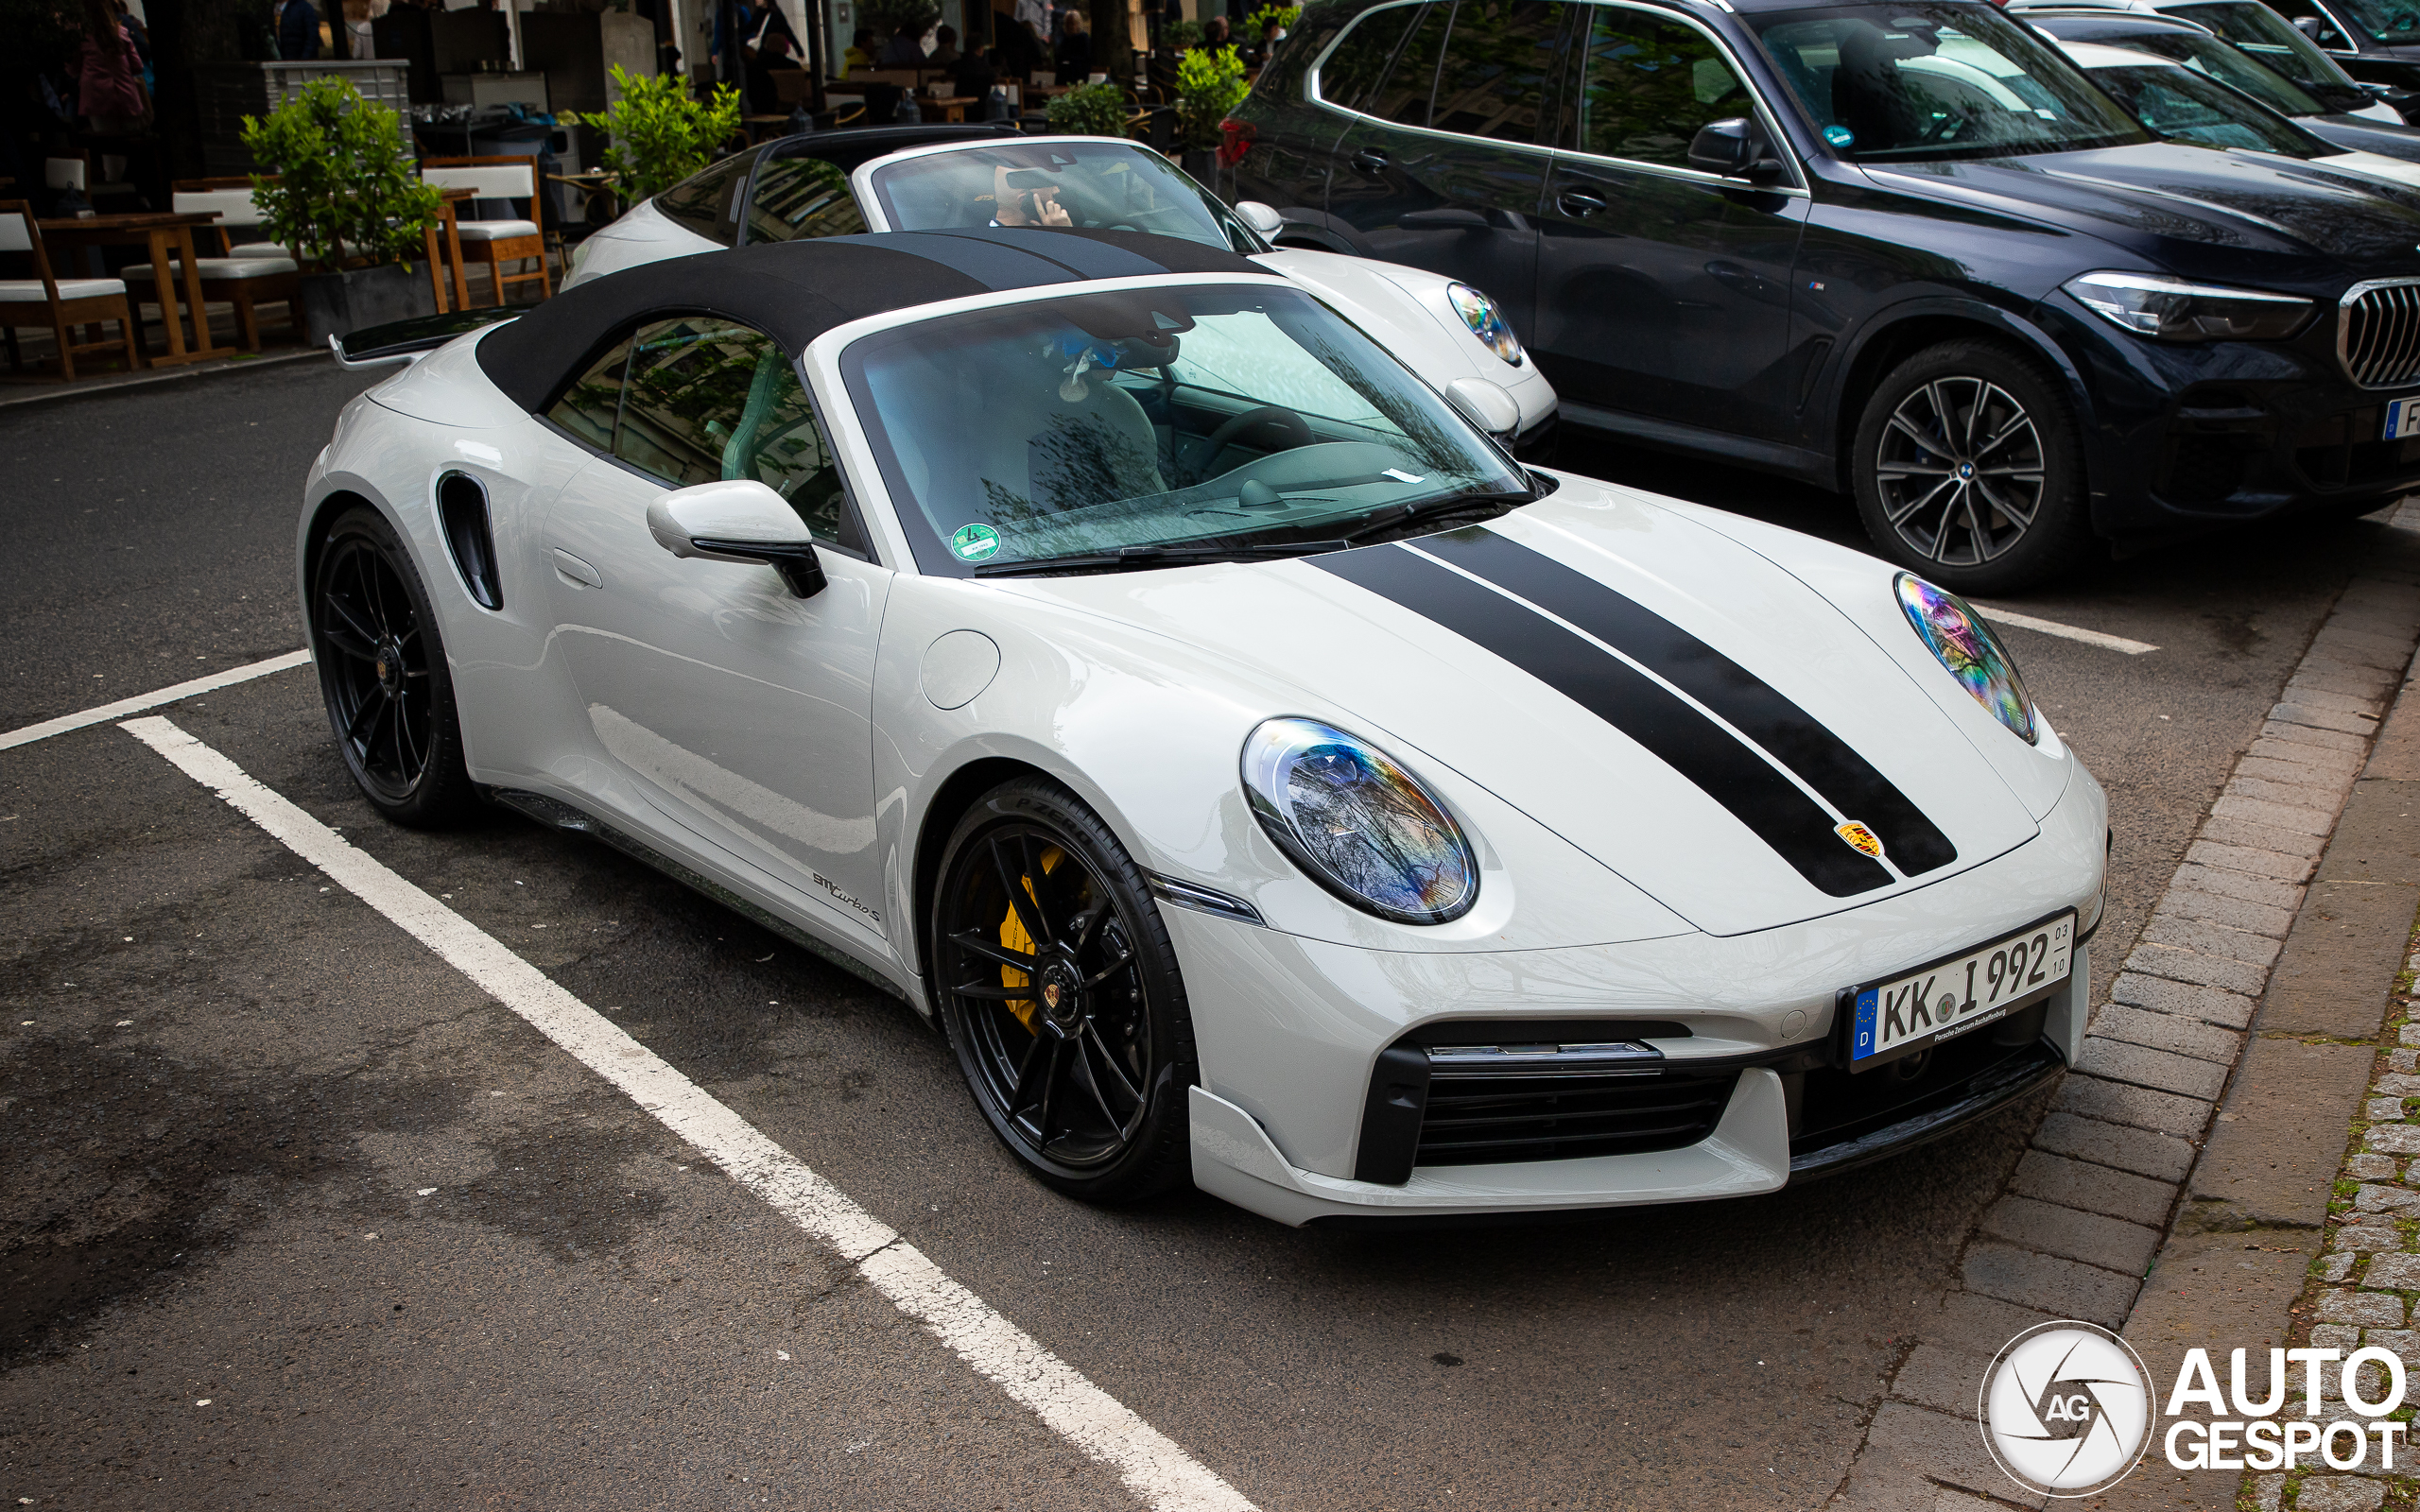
1405, 514
1126, 558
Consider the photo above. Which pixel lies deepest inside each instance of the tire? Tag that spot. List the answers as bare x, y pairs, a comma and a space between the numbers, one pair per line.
384, 678
2018, 515
1088, 1090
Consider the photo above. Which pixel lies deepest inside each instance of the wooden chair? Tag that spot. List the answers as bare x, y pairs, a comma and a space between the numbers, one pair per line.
498, 241
245, 282
59, 303
239, 226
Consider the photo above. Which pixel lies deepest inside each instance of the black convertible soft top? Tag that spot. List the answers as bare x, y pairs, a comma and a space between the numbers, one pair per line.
795, 291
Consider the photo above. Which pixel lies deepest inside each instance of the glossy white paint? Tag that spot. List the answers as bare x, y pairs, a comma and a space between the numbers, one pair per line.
639, 235
791, 751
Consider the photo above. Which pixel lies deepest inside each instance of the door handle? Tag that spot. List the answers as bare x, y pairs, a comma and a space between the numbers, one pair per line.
1579, 202
576, 571
1370, 161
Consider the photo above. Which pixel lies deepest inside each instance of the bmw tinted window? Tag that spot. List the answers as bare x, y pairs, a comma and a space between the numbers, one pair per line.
2272, 40
1650, 84
1352, 73
705, 398
703, 203
1403, 94
2225, 62
1493, 81
1926, 81
801, 198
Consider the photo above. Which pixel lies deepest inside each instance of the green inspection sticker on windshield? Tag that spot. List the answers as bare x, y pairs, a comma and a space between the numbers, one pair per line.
975, 542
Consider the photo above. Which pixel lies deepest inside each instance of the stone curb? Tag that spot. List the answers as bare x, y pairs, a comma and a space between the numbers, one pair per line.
2102, 1188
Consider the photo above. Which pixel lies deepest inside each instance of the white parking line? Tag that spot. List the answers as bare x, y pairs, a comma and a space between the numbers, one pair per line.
2027, 622
1151, 1465
153, 700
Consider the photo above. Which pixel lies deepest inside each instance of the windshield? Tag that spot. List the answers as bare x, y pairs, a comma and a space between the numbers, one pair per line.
1917, 83
2388, 20
1209, 416
1094, 185
2189, 107
2225, 62
2273, 43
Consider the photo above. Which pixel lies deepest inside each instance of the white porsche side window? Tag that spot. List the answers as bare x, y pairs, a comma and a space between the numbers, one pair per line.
700, 399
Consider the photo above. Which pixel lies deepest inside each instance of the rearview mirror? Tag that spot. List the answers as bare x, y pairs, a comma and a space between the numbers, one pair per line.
1488, 405
1260, 217
737, 520
1736, 149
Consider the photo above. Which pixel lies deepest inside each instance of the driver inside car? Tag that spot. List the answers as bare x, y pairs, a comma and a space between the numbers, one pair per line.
1027, 196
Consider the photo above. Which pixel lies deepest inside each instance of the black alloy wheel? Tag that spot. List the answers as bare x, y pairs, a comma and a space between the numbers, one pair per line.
1968, 469
1059, 989
384, 676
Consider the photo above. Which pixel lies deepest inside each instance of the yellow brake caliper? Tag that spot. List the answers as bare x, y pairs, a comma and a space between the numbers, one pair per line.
1013, 937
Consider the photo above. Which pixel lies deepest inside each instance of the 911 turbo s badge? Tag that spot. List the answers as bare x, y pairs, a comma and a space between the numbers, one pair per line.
1860, 839
1726, 731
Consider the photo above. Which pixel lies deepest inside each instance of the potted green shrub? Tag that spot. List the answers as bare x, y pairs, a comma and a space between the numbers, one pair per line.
657, 133
1209, 85
1089, 109
341, 188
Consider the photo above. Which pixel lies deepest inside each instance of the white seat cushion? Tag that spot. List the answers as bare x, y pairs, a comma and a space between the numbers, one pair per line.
219, 267
497, 231
495, 181
257, 249
30, 290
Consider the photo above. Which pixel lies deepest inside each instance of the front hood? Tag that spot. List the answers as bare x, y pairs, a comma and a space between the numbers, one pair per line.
1733, 834
2181, 204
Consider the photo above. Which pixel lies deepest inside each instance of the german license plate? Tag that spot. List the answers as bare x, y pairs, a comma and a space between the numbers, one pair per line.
1948, 997
2402, 419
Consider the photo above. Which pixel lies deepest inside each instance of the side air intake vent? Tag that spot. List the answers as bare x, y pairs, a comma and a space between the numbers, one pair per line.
462, 504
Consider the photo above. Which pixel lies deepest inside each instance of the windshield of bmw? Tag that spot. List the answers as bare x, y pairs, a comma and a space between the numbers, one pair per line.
1924, 82
1147, 426
2387, 20
2273, 43
1104, 186
2189, 107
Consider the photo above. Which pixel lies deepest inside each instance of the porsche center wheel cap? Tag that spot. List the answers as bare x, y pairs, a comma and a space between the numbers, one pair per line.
389, 666
1061, 997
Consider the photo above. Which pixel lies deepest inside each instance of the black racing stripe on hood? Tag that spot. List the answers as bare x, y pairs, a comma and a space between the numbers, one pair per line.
1722, 767
1796, 738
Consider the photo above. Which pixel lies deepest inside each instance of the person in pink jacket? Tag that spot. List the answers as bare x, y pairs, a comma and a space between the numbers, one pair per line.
109, 76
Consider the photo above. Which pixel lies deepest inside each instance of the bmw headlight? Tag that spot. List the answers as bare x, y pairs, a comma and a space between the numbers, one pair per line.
2154, 304
1361, 826
1486, 321
1961, 641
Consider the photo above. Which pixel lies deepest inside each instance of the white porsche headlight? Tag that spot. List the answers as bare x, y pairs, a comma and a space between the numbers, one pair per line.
1486, 321
1361, 826
1966, 647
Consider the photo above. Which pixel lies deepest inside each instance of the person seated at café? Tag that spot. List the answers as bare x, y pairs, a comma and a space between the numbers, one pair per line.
860, 53
945, 53
1075, 57
906, 50
972, 78
1215, 34
773, 52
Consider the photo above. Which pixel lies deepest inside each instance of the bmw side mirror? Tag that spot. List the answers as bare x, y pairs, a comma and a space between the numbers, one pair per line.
1262, 218
737, 520
1736, 149
1488, 405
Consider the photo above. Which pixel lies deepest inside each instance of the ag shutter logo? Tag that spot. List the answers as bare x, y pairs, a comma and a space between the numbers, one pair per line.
2066, 1409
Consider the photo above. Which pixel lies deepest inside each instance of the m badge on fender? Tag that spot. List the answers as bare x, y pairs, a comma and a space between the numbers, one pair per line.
1860, 839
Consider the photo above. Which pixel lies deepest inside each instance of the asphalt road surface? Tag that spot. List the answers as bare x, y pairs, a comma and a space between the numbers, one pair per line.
293, 1214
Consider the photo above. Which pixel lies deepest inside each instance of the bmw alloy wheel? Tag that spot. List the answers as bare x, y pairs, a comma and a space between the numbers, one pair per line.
1961, 472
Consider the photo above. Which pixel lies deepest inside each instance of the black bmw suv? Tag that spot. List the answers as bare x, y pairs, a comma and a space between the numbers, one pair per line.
1907, 251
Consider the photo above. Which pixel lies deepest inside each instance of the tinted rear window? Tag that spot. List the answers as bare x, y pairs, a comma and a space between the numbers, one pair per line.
1363, 61
703, 203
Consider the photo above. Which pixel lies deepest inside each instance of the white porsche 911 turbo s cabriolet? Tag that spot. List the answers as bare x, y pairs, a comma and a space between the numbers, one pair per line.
1257, 775
907, 178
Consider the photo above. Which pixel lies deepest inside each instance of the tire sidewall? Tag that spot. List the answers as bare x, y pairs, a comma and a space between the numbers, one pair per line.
443, 794
2061, 531
1158, 1156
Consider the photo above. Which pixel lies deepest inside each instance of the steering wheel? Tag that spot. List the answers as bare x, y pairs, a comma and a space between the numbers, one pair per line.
1297, 429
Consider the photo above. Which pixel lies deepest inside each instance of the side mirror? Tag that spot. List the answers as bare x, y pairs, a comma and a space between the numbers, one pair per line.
738, 520
1262, 218
1736, 149
1487, 405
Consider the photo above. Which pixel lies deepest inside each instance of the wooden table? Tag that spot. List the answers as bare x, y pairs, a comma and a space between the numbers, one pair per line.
452, 249
953, 107
597, 187
167, 234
